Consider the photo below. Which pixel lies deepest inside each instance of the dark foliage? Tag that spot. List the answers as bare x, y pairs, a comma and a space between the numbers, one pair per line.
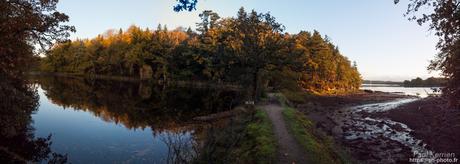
185, 5
24, 24
429, 82
18, 143
444, 20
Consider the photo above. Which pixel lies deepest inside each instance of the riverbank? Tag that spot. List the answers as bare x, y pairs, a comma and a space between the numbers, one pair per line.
362, 139
318, 107
431, 121
328, 103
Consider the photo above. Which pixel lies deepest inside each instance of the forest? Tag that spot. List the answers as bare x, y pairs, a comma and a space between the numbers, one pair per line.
235, 89
250, 49
428, 82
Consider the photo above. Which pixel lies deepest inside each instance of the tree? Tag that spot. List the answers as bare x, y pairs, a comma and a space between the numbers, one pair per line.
322, 67
255, 42
429, 82
24, 24
250, 50
445, 21
209, 21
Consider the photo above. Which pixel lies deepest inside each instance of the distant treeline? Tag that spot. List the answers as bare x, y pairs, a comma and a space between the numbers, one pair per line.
429, 82
250, 48
381, 82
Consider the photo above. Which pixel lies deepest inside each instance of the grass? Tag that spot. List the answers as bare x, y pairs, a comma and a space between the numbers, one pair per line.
320, 148
260, 142
248, 139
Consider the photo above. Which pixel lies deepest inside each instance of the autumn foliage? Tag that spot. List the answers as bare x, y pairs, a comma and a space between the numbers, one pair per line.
250, 49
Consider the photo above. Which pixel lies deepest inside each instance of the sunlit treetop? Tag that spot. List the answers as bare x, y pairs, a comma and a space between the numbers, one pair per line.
185, 5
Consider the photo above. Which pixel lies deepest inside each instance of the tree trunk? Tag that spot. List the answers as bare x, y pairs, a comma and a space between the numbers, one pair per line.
146, 72
164, 74
120, 66
255, 85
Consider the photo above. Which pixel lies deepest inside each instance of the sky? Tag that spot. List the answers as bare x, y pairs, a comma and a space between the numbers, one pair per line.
374, 33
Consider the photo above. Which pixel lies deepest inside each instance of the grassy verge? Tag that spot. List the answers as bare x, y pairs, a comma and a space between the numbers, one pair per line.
249, 138
298, 97
320, 148
260, 142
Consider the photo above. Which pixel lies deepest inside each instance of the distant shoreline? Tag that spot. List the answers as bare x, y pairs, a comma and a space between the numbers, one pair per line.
193, 83
101, 77
399, 85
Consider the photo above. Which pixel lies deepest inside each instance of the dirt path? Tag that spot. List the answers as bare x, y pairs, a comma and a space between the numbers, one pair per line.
289, 151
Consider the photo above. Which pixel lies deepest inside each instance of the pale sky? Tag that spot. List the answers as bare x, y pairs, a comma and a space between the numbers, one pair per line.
374, 33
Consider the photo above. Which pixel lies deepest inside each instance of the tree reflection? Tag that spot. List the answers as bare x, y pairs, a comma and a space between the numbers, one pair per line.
18, 143
167, 110
138, 105
181, 149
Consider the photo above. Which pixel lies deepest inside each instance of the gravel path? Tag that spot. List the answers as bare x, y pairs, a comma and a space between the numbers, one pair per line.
289, 151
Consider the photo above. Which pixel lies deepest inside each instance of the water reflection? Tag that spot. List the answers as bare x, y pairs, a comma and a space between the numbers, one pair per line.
112, 121
18, 143
413, 91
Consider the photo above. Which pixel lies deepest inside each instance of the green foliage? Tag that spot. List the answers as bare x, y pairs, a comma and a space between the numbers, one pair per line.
247, 138
261, 142
250, 49
320, 148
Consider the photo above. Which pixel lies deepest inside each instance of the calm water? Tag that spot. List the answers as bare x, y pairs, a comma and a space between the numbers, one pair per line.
96, 121
119, 122
414, 91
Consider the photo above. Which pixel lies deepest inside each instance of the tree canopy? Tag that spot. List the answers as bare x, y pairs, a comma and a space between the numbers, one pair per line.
185, 5
444, 19
250, 49
429, 82
25, 24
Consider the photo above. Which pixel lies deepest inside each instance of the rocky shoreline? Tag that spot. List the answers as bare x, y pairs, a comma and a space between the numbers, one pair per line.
432, 121
379, 127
